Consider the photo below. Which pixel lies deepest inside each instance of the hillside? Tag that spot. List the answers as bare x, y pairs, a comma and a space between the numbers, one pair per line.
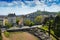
42, 13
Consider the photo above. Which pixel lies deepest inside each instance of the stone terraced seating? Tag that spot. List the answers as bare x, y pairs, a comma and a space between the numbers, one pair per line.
41, 34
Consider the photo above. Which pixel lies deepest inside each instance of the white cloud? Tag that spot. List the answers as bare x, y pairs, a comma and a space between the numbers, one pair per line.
37, 2
50, 0
22, 8
14, 3
53, 8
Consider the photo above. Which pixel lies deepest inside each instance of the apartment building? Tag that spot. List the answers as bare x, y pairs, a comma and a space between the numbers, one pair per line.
11, 18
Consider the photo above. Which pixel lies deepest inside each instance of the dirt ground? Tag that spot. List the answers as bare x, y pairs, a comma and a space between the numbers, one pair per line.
3, 37
20, 36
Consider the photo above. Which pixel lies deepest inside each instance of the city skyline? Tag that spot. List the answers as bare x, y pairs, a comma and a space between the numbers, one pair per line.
22, 7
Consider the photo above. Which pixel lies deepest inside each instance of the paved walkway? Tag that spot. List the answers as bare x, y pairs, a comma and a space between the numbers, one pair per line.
24, 27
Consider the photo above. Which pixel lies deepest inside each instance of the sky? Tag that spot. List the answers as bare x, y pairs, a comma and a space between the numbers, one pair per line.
23, 7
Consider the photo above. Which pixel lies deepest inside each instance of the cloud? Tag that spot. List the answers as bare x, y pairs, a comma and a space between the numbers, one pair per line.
28, 3
53, 8
25, 7
17, 3
12, 4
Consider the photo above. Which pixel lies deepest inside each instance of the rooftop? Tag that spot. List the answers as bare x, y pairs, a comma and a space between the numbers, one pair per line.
11, 15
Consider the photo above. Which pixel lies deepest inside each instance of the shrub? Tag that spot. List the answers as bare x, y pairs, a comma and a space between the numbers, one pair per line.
6, 34
8, 25
28, 23
38, 19
31, 24
0, 37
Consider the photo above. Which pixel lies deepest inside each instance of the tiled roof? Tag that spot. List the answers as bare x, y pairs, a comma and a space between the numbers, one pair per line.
2, 16
11, 15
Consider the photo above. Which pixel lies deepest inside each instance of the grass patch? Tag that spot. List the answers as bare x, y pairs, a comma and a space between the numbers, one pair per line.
46, 29
6, 34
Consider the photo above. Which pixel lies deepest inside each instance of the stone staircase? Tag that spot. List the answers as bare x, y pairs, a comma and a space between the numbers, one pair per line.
40, 34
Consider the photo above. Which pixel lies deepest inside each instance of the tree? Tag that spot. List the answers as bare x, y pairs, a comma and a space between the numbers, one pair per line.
57, 25
57, 22
50, 22
17, 20
8, 25
38, 19
5, 21
0, 34
49, 19
32, 23
28, 23
45, 21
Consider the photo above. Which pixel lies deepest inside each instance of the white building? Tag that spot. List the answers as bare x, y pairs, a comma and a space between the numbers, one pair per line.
12, 18
1, 20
